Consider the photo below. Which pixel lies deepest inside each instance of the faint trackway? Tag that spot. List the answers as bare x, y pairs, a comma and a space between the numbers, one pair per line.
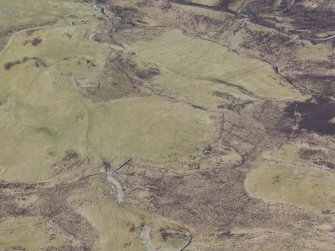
145, 237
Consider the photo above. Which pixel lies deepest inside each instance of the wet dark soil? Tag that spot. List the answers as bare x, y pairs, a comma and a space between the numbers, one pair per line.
315, 115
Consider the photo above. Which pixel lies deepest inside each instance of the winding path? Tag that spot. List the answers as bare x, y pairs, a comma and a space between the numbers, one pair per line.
110, 176
116, 183
145, 237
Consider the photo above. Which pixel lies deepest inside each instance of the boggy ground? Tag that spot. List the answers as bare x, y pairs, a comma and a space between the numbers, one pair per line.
230, 148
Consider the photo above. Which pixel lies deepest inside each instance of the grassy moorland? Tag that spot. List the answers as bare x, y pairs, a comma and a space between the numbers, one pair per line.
43, 117
224, 150
199, 69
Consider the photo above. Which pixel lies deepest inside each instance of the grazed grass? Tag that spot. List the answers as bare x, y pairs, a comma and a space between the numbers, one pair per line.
47, 97
207, 2
16, 13
44, 116
238, 87
150, 129
289, 175
295, 183
118, 227
44, 98
188, 65
32, 233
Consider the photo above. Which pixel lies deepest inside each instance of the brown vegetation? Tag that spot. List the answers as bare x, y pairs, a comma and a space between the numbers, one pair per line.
49, 202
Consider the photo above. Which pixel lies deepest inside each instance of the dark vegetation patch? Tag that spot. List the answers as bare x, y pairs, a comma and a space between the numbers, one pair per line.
266, 43
223, 5
164, 233
127, 18
259, 11
120, 78
315, 115
128, 24
277, 48
44, 130
68, 35
147, 73
81, 60
132, 228
23, 186
167, 232
324, 84
37, 62
5, 34
303, 19
35, 42
318, 19
65, 248
207, 150
224, 95
69, 155
125, 12
308, 154
325, 163
15, 248
236, 104
127, 244
75, 225
142, 72
9, 65
198, 107
3, 40
71, 162
90, 63
238, 87
4, 100
227, 234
